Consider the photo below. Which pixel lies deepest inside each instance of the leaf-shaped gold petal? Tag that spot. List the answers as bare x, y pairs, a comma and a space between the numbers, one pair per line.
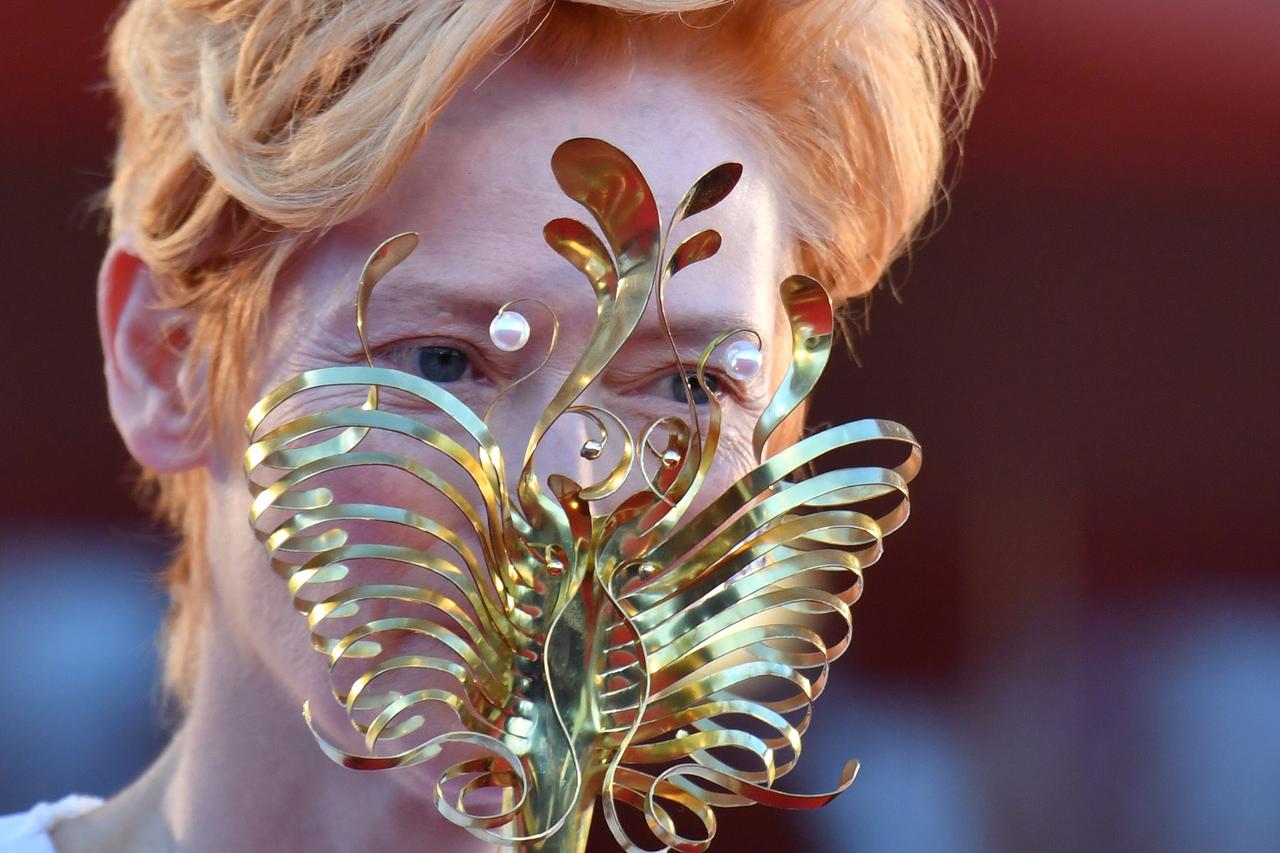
708, 191
699, 247
580, 246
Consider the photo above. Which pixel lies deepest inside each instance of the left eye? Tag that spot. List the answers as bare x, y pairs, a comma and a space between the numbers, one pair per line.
678, 389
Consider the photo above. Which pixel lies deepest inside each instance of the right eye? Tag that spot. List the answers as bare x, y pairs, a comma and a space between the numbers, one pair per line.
442, 364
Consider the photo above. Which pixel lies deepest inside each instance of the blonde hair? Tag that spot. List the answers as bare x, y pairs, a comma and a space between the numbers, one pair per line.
249, 126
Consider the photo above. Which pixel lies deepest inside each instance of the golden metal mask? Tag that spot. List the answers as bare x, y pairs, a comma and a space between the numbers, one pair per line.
661, 659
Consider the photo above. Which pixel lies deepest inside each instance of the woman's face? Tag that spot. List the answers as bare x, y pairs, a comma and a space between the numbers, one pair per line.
478, 191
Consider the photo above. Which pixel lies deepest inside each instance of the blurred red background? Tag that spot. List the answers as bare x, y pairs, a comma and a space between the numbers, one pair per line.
1089, 349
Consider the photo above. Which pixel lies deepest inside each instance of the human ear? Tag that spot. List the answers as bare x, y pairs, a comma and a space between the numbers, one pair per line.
144, 347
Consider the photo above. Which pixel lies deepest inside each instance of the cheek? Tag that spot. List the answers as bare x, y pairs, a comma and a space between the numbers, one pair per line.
254, 620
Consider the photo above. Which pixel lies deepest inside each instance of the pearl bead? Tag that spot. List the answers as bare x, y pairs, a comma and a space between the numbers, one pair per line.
742, 360
509, 331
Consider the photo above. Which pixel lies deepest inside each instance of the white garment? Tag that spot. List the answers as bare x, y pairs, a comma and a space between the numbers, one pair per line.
28, 832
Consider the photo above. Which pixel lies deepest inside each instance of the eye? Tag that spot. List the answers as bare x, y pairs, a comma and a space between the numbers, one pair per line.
680, 391
442, 364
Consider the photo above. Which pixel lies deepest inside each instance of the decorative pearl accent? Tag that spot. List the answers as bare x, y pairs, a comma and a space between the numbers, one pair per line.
509, 331
742, 360
591, 449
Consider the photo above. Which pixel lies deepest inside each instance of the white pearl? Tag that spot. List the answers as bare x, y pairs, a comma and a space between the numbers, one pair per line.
509, 331
742, 360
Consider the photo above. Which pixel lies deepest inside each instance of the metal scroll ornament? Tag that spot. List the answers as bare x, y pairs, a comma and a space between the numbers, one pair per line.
661, 659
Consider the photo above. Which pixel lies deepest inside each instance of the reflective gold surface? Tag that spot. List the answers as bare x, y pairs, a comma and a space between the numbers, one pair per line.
661, 659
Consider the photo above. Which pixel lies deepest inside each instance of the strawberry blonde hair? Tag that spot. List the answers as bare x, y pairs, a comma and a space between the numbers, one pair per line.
250, 126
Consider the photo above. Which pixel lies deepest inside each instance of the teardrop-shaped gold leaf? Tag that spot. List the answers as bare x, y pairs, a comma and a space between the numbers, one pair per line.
699, 247
579, 245
708, 191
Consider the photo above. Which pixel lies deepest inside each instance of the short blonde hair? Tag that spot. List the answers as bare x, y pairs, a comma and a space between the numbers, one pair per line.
248, 126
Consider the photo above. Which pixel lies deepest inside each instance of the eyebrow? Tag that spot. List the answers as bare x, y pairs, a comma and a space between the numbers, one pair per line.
427, 295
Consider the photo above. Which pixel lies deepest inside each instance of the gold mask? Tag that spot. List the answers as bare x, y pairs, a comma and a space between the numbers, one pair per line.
661, 659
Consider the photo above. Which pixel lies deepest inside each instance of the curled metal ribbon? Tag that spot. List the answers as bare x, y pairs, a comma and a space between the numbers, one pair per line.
663, 660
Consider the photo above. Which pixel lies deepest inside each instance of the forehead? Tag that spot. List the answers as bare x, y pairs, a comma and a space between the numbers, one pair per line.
480, 188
